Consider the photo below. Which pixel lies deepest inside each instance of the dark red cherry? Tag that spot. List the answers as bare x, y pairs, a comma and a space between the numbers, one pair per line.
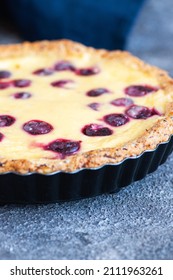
87, 71
116, 119
61, 83
64, 147
43, 72
22, 95
6, 120
139, 90
125, 102
21, 83
64, 66
96, 130
97, 92
94, 106
4, 85
37, 127
5, 74
1, 136
141, 112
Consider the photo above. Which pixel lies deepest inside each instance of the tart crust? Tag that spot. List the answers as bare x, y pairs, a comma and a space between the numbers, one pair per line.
160, 132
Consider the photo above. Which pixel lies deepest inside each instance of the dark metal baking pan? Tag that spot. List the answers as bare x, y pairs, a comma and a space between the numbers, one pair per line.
60, 186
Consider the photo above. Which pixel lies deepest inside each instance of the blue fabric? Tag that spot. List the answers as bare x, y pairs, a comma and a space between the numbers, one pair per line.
103, 24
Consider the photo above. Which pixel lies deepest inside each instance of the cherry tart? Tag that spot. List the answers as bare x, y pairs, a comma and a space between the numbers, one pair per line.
66, 107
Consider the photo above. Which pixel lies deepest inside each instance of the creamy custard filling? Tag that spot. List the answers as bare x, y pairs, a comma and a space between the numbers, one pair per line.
60, 99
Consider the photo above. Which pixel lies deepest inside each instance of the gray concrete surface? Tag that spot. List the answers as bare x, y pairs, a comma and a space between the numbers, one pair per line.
136, 223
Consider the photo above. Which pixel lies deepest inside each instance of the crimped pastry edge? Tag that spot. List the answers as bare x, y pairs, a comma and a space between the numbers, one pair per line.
160, 132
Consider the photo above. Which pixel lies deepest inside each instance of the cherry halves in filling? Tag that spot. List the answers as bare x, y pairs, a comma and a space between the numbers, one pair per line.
43, 72
96, 130
94, 106
6, 120
97, 92
62, 83
139, 90
64, 147
87, 71
22, 95
4, 85
37, 127
141, 112
21, 83
125, 102
4, 74
64, 66
116, 119
15, 83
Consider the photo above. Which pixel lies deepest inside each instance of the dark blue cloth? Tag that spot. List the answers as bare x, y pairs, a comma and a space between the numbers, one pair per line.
99, 23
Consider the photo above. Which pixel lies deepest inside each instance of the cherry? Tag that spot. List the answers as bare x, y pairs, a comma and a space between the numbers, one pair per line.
43, 72
16, 83
87, 71
61, 83
141, 112
122, 102
96, 130
94, 106
37, 127
139, 90
1, 136
116, 119
22, 95
21, 83
6, 120
64, 147
4, 85
4, 74
97, 92
64, 66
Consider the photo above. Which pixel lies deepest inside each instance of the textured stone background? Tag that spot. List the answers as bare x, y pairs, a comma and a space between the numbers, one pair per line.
136, 223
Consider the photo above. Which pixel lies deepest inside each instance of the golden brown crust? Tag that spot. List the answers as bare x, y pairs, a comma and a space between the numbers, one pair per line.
158, 133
